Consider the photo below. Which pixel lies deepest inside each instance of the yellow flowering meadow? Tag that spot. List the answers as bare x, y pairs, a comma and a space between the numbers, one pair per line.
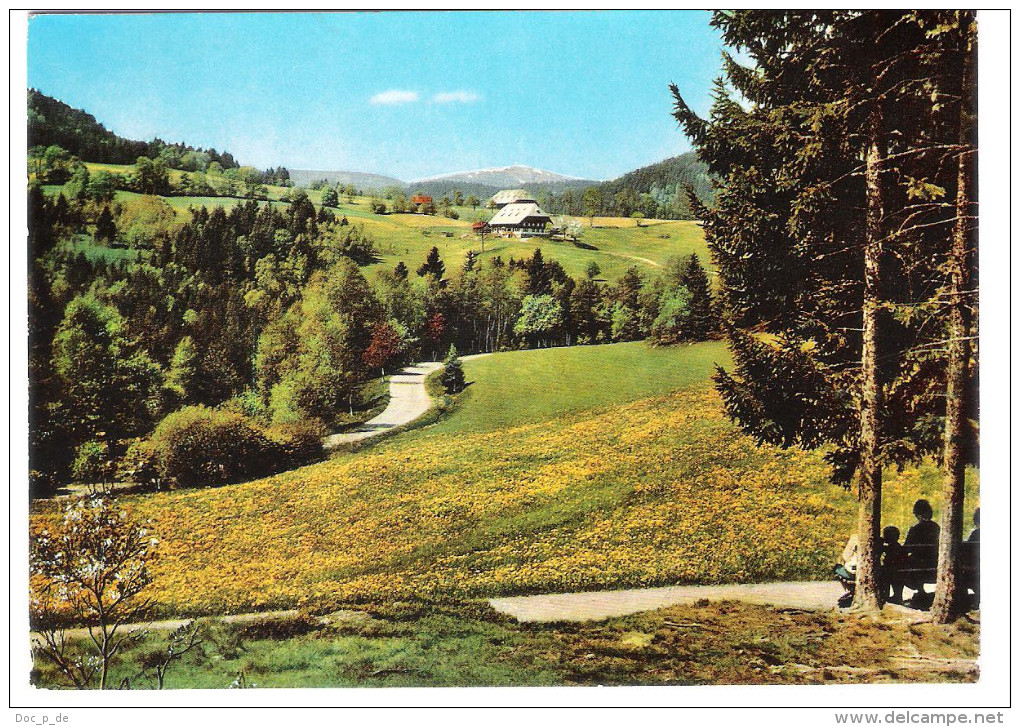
661, 491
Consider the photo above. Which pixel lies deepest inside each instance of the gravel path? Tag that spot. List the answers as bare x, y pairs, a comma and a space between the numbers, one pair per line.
408, 401
596, 605
807, 595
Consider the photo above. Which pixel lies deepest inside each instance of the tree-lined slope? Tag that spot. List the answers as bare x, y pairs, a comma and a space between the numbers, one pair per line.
52, 122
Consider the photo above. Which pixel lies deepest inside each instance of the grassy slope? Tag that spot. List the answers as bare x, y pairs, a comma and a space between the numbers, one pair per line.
521, 387
619, 242
661, 490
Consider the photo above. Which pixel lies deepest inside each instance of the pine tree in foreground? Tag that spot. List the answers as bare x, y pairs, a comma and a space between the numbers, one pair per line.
830, 210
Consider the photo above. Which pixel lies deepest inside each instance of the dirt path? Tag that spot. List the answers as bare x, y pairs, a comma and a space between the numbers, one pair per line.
239, 618
408, 401
807, 595
595, 605
625, 256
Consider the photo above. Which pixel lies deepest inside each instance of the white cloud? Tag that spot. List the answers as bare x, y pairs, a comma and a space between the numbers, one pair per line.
455, 97
394, 96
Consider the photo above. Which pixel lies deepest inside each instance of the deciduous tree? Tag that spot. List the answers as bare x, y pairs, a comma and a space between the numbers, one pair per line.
94, 569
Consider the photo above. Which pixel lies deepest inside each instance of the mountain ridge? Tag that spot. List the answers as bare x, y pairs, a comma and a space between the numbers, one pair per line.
362, 180
505, 175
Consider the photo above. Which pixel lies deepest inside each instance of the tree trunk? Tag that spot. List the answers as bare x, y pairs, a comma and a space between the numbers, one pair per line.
950, 595
868, 595
104, 655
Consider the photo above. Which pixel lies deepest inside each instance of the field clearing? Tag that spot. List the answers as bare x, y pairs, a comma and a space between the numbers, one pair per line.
428, 221
617, 222
523, 387
659, 491
615, 249
124, 169
94, 251
615, 243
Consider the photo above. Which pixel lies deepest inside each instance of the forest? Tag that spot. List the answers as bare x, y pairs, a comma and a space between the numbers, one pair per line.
262, 312
671, 189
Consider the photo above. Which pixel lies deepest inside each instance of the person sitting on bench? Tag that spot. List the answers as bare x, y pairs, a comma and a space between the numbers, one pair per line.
846, 571
922, 546
893, 561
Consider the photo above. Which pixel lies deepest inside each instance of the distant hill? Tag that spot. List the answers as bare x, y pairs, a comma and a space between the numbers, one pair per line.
507, 177
54, 122
658, 190
665, 177
483, 183
362, 180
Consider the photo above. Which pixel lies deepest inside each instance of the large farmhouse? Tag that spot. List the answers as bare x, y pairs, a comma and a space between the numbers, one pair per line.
520, 218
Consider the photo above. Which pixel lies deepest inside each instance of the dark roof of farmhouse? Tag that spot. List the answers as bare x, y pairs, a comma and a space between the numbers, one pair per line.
508, 196
518, 212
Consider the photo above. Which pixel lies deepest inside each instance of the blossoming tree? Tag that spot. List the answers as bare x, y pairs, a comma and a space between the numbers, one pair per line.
92, 571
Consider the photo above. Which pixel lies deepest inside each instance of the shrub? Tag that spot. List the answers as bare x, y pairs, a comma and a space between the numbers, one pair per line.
279, 629
139, 464
198, 445
248, 404
91, 462
297, 444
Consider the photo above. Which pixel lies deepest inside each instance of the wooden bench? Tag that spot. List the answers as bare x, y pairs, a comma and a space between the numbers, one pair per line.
910, 574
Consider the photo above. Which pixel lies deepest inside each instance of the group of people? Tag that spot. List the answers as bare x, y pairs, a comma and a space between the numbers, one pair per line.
907, 565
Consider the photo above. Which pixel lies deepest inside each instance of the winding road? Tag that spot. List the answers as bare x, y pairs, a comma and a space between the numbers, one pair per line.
408, 401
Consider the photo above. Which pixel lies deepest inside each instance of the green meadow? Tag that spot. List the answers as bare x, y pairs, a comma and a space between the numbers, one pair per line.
614, 244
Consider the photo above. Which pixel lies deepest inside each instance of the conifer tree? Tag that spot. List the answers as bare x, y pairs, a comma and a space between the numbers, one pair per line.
106, 229
961, 299
433, 265
452, 377
701, 318
824, 226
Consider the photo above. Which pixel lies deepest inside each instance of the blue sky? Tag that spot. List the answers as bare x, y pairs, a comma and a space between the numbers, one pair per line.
405, 94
